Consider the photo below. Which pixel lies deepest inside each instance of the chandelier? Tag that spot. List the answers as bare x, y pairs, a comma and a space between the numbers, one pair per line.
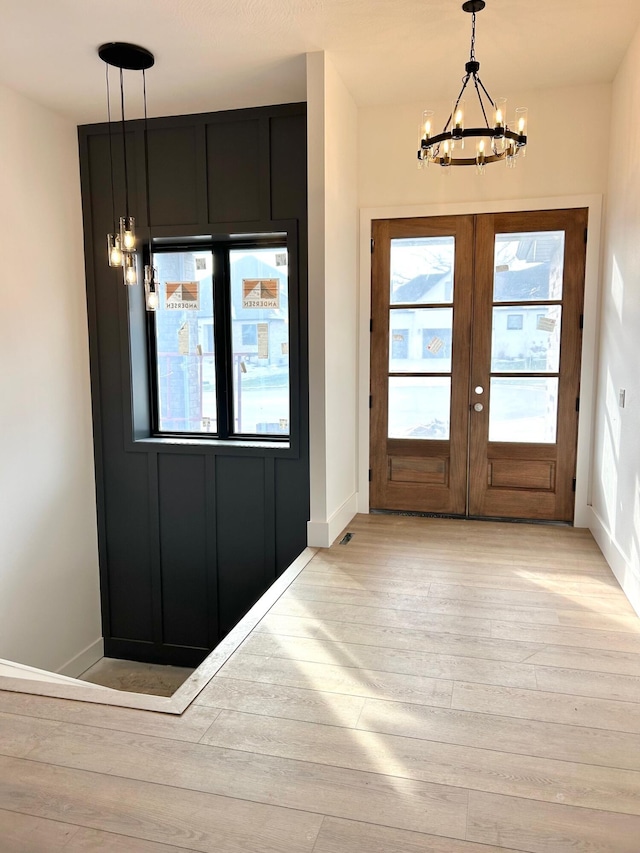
121, 241
494, 141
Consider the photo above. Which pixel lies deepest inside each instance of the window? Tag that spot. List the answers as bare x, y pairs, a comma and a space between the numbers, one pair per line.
220, 340
514, 321
250, 334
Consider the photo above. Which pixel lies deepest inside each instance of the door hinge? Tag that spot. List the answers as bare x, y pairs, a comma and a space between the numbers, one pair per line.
370, 475
573, 485
586, 233
373, 244
582, 321
371, 401
577, 404
371, 325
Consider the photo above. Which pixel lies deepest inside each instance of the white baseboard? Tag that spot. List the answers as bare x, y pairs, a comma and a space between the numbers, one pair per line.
322, 534
626, 575
82, 661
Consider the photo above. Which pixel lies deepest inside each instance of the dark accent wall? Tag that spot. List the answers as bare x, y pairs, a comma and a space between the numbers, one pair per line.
191, 532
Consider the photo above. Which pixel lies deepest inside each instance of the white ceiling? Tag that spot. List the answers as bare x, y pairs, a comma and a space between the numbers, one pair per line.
219, 54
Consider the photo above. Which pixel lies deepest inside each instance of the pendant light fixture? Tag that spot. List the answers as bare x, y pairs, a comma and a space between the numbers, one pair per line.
121, 242
494, 140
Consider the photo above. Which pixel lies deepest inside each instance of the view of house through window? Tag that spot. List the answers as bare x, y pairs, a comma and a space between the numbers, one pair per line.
221, 336
421, 274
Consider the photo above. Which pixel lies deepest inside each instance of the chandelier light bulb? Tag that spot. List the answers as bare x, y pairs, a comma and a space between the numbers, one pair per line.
446, 154
522, 115
480, 157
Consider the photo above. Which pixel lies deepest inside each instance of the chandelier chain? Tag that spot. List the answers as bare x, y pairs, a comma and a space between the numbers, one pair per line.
472, 54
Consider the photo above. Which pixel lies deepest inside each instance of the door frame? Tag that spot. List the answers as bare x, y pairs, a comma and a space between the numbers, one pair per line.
588, 370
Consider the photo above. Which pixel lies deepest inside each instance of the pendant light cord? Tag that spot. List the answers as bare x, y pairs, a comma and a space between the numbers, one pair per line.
146, 159
124, 147
113, 191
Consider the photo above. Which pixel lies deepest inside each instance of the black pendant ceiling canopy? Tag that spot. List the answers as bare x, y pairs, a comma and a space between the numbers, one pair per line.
131, 57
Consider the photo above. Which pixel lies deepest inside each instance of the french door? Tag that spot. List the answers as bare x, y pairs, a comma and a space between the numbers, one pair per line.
475, 363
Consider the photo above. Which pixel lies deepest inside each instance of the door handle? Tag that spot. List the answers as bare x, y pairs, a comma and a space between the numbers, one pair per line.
478, 407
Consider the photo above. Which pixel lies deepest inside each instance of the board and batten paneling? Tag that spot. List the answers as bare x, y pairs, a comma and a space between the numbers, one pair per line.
191, 533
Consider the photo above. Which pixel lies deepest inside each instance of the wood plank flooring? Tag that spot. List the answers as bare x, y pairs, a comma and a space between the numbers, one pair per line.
433, 686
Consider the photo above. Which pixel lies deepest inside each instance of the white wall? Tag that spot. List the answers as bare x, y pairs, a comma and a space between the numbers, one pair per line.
554, 165
616, 463
333, 230
49, 600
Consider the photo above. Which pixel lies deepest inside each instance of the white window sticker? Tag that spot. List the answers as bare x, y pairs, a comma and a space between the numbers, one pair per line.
263, 340
546, 324
435, 345
183, 339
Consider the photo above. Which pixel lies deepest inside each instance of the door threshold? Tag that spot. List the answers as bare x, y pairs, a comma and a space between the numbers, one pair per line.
416, 514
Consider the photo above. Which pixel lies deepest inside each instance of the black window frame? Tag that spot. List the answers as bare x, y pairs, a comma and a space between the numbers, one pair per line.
220, 248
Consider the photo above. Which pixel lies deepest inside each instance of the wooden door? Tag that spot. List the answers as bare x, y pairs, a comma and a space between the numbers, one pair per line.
475, 363
529, 285
421, 314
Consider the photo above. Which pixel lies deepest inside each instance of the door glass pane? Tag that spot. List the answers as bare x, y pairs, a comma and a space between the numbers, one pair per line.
420, 340
526, 338
185, 342
528, 266
523, 409
419, 407
422, 270
260, 340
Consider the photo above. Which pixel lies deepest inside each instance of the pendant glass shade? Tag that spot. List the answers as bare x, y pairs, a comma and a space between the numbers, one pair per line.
151, 297
114, 250
128, 233
130, 269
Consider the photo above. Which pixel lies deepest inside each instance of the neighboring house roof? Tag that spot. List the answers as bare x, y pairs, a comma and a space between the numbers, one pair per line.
529, 282
416, 290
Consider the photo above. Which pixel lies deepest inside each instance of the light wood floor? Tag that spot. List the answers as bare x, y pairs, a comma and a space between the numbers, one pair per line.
433, 686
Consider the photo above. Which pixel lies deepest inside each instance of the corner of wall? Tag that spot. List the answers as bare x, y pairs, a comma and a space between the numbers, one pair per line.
324, 534
81, 662
619, 564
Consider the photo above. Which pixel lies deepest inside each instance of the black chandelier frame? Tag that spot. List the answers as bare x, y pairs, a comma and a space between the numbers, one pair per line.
430, 147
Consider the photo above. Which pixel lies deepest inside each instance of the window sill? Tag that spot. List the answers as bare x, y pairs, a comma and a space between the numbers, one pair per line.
216, 446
